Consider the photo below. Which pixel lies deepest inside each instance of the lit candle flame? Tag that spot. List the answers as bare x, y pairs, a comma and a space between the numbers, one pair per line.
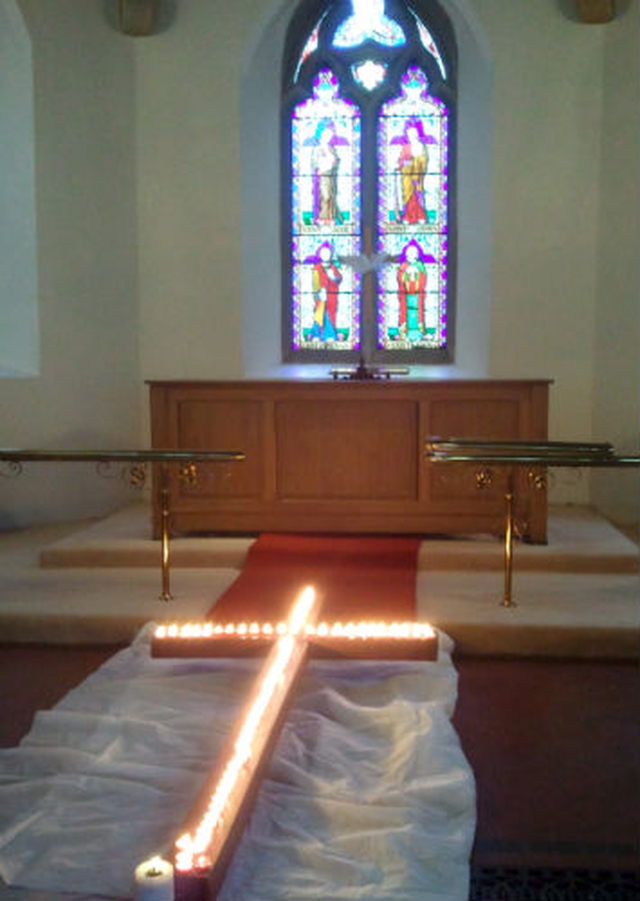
191, 850
362, 630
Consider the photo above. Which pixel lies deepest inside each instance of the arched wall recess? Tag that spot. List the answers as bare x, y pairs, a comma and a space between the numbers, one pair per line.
262, 149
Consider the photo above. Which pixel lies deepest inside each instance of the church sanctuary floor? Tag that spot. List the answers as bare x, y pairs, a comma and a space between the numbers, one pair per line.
547, 712
554, 746
98, 583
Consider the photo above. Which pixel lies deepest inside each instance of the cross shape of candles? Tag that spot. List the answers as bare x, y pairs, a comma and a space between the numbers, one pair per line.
205, 845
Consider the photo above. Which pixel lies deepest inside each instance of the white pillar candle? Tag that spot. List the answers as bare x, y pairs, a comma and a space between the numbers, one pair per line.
154, 880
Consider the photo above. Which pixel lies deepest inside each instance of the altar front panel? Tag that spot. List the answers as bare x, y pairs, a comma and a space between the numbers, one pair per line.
349, 450
328, 456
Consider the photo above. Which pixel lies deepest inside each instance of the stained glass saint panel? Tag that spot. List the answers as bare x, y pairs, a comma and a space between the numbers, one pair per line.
325, 218
412, 217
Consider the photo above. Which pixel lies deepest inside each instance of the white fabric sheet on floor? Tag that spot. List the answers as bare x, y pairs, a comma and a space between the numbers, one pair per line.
368, 794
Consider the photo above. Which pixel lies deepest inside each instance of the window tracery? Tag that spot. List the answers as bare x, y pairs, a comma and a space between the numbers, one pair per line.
369, 234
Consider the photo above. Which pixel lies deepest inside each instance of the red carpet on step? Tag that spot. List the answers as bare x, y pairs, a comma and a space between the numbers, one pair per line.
356, 577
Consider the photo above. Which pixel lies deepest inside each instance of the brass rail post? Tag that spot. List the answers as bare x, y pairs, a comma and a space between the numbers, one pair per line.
532, 454
11, 460
509, 497
165, 549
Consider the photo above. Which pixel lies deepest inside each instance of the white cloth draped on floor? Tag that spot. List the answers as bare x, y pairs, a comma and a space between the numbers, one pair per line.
368, 794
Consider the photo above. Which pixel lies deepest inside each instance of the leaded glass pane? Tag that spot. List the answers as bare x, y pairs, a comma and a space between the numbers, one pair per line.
325, 211
430, 45
369, 74
412, 217
310, 47
368, 22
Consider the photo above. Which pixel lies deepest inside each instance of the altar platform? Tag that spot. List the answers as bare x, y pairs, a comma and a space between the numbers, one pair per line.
98, 582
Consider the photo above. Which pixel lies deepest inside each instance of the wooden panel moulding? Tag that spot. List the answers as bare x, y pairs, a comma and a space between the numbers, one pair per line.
215, 422
496, 417
353, 450
346, 456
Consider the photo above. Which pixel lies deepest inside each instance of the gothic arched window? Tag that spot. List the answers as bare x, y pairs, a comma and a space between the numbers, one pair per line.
369, 182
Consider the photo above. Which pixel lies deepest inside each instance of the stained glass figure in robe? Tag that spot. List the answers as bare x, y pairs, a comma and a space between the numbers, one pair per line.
412, 217
325, 218
326, 285
412, 291
412, 165
326, 163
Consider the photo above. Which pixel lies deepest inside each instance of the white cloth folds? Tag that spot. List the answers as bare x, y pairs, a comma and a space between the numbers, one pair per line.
368, 794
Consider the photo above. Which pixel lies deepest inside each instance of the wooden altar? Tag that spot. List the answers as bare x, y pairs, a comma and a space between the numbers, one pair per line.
345, 456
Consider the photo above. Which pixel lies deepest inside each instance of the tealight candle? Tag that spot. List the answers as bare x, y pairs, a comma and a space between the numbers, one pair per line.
154, 880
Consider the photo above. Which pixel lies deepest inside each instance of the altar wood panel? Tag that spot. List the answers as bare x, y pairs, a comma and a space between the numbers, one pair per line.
498, 415
235, 422
473, 415
349, 449
328, 456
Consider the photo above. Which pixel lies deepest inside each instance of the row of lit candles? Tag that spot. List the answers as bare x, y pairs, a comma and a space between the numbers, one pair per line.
364, 630
192, 849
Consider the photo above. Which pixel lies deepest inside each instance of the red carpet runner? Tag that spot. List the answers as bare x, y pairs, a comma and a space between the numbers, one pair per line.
357, 578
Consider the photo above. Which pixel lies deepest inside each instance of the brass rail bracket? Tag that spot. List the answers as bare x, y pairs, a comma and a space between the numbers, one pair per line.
536, 456
134, 470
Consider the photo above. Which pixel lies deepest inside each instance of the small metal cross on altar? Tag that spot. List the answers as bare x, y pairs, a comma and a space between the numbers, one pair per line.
205, 845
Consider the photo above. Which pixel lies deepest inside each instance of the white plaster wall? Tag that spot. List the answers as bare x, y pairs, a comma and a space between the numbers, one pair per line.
615, 376
86, 392
19, 350
548, 119
188, 189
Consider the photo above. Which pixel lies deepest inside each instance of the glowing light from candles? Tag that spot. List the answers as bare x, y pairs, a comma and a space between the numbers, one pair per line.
154, 880
191, 850
362, 629
301, 610
365, 630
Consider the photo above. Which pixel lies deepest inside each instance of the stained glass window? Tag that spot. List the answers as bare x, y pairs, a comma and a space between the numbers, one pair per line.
369, 74
368, 22
412, 217
325, 150
430, 45
310, 47
369, 243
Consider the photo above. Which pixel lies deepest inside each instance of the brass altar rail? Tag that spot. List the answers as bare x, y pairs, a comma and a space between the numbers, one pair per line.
534, 460
534, 454
17, 455
137, 474
557, 448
